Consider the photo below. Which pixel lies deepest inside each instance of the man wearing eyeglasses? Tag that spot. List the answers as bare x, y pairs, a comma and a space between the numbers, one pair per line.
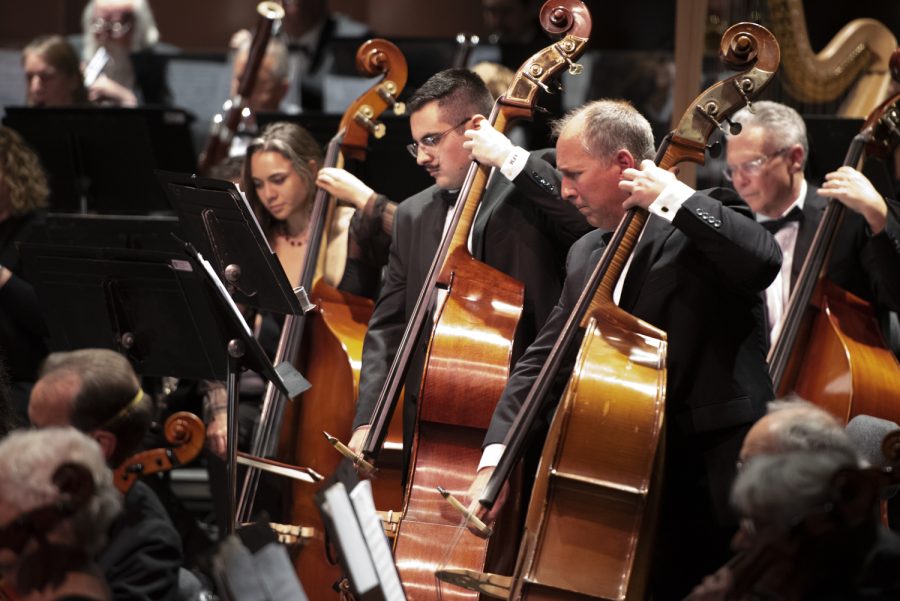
524, 235
134, 71
765, 164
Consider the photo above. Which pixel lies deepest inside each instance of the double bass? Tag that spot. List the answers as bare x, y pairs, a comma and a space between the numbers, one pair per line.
326, 346
830, 349
592, 514
474, 324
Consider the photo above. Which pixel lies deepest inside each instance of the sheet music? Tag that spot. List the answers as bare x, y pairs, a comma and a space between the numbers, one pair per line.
364, 504
224, 294
350, 539
253, 215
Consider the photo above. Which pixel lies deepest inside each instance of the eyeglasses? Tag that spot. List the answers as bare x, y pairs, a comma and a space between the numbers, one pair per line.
752, 167
113, 28
430, 142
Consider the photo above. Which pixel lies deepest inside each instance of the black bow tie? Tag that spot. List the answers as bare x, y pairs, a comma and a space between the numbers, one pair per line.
775, 225
448, 196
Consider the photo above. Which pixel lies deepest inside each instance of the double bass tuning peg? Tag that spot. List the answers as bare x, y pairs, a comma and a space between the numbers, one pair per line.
364, 117
388, 92
565, 48
733, 128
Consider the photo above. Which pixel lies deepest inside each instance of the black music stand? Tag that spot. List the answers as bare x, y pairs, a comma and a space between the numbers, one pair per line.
351, 522
217, 220
140, 232
168, 314
102, 159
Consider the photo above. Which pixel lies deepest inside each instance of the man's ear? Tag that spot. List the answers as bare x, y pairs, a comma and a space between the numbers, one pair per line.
796, 156
107, 441
624, 160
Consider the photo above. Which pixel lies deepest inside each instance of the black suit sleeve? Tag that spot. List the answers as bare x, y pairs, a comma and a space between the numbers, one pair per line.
744, 255
387, 323
541, 184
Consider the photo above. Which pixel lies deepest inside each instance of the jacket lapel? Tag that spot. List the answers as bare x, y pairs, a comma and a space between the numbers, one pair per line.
497, 189
648, 249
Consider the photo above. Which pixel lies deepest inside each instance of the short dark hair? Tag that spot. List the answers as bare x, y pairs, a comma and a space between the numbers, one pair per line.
109, 396
459, 91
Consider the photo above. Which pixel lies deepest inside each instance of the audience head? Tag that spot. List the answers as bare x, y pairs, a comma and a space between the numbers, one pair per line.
97, 392
52, 73
796, 425
30, 462
280, 173
439, 112
779, 490
23, 185
597, 142
766, 159
271, 80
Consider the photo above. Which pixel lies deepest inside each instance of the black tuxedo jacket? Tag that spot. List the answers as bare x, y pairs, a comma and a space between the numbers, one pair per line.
522, 229
699, 279
865, 265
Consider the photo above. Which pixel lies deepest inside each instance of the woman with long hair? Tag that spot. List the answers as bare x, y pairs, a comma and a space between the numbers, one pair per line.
23, 197
279, 179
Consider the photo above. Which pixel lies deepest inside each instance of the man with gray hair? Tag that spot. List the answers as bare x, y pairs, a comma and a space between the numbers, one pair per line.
765, 162
31, 477
97, 392
696, 273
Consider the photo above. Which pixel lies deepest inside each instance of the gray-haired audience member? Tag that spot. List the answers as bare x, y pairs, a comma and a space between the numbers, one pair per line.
779, 489
29, 460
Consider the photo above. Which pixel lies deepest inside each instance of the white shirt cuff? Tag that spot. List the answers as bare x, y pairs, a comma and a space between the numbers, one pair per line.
491, 455
670, 200
514, 163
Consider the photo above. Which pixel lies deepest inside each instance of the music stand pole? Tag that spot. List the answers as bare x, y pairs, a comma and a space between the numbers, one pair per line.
235, 352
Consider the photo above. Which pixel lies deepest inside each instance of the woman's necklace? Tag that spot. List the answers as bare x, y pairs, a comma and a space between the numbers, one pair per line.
298, 240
